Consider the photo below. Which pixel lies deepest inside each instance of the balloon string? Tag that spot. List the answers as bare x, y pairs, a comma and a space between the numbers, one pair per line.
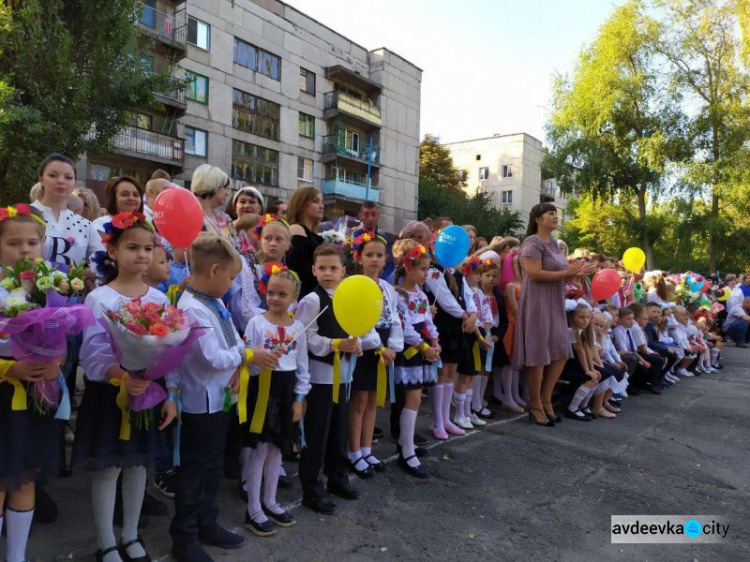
187, 260
291, 343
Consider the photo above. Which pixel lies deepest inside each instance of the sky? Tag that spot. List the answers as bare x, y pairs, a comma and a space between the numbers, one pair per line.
487, 65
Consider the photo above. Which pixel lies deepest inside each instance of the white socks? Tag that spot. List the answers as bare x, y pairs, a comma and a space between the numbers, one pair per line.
370, 458
103, 492
253, 480
406, 438
578, 397
447, 395
271, 470
436, 398
587, 398
19, 524
133, 490
460, 399
482, 389
357, 457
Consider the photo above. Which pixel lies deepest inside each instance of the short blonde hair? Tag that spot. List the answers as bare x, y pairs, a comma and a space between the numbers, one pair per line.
36, 192
210, 249
207, 180
92, 209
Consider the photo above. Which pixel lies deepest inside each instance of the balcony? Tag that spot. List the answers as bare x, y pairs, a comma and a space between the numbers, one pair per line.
175, 98
350, 190
363, 111
167, 28
334, 147
150, 145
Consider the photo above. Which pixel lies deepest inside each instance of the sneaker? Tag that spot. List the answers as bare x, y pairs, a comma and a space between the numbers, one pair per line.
463, 422
671, 378
165, 482
476, 420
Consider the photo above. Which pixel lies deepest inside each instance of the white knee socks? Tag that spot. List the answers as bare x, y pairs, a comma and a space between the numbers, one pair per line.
477, 393
460, 399
133, 490
578, 397
406, 438
436, 399
271, 470
447, 395
253, 480
19, 524
103, 492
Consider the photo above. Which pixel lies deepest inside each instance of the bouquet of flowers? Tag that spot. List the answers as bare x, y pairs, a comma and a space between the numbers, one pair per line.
37, 329
150, 340
46, 284
685, 293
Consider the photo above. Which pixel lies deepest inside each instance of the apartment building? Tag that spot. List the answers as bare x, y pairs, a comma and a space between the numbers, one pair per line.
508, 167
276, 99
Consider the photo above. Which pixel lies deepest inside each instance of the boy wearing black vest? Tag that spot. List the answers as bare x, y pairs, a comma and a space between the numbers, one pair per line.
325, 422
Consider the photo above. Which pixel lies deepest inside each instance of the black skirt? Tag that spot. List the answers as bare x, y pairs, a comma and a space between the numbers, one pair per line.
365, 376
97, 441
451, 337
30, 443
414, 373
574, 373
466, 364
277, 425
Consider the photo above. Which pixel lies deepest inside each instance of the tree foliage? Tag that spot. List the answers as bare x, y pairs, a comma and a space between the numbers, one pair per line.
70, 73
436, 164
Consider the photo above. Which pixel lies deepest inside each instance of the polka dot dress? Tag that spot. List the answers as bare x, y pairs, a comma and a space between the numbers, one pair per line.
68, 238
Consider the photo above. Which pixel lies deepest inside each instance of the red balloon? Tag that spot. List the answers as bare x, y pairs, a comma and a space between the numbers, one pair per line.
605, 284
706, 286
178, 216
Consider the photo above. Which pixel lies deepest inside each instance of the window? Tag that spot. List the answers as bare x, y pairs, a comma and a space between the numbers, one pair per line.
506, 197
255, 164
484, 173
507, 171
196, 142
148, 13
305, 168
256, 59
197, 89
142, 121
199, 34
306, 125
255, 115
351, 141
307, 81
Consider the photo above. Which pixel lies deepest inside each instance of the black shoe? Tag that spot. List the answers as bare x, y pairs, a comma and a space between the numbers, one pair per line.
378, 466
575, 416
219, 537
652, 389
587, 411
153, 506
165, 483
124, 552
344, 490
45, 509
368, 472
419, 471
284, 519
192, 552
100, 554
265, 529
421, 452
420, 439
533, 420
285, 482
319, 504
479, 414
495, 401
552, 417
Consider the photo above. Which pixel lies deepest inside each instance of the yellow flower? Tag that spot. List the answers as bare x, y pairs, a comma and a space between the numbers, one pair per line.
39, 260
11, 212
367, 237
275, 269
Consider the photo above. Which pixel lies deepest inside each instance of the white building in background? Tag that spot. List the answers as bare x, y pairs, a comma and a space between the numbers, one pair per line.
275, 99
508, 167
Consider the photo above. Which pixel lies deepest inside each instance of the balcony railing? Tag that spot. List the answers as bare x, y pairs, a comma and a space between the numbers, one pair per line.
365, 111
151, 143
334, 144
350, 189
167, 27
175, 97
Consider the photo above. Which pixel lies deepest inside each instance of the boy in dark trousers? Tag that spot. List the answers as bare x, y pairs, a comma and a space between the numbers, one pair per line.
326, 421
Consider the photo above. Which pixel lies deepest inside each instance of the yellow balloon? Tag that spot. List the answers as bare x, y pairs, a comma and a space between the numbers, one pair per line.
357, 305
726, 292
633, 259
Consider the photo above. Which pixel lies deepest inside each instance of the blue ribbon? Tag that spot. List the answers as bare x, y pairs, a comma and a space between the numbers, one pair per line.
392, 381
350, 370
435, 366
63, 409
302, 442
177, 430
488, 359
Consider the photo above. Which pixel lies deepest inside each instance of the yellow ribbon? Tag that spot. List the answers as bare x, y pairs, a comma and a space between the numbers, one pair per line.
336, 370
244, 384
477, 356
123, 403
261, 404
173, 294
382, 379
19, 400
413, 350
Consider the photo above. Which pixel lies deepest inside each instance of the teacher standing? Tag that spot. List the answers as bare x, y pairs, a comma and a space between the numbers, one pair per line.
304, 213
542, 343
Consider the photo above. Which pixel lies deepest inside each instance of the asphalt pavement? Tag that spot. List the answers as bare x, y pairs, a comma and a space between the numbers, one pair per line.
510, 491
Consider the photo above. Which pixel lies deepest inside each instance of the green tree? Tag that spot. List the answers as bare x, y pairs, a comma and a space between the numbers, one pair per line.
700, 43
613, 127
436, 164
70, 72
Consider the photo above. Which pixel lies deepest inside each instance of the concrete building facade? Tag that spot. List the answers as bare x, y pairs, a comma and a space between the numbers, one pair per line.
508, 168
276, 99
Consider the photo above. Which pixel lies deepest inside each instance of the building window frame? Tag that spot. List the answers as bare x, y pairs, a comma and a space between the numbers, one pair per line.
305, 169
193, 133
306, 125
507, 171
194, 35
255, 164
255, 115
506, 197
307, 81
484, 173
191, 92
263, 62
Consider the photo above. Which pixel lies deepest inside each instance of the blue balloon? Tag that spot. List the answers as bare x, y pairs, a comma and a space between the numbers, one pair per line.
694, 284
452, 246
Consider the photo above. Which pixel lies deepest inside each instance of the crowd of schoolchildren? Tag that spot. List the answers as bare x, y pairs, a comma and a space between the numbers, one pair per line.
268, 374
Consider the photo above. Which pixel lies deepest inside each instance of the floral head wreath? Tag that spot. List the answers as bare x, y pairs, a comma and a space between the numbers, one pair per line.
269, 218
488, 264
471, 265
412, 257
122, 222
274, 268
19, 210
359, 242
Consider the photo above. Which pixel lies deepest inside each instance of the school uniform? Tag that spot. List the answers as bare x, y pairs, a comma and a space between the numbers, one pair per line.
451, 311
466, 363
325, 422
387, 333
653, 342
627, 339
97, 444
573, 371
203, 380
500, 356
